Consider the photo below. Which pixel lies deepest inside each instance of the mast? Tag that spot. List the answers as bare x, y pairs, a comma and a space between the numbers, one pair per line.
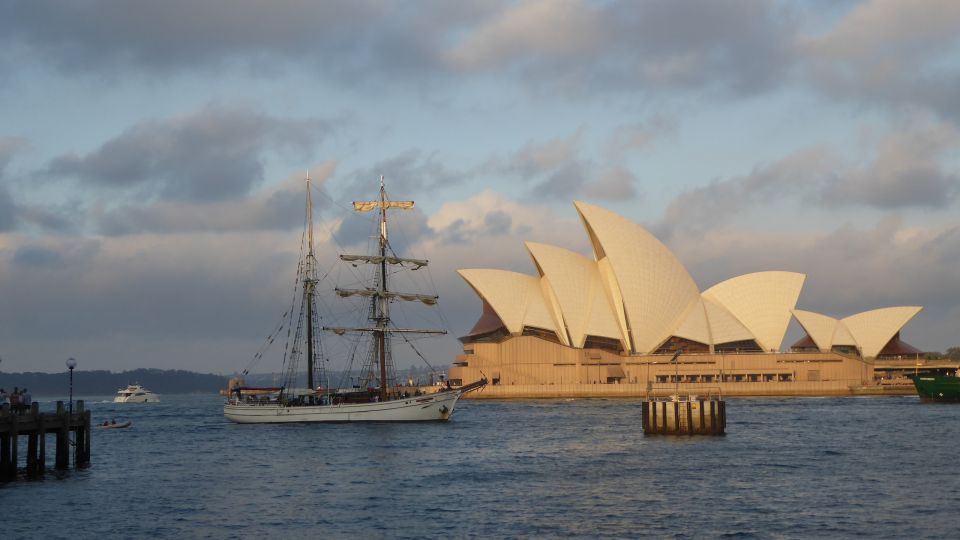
382, 322
308, 286
380, 296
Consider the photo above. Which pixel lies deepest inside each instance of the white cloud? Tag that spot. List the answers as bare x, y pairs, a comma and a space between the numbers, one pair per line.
890, 53
907, 170
549, 29
277, 206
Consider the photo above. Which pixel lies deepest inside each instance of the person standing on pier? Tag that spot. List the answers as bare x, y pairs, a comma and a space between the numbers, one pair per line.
15, 399
25, 399
4, 399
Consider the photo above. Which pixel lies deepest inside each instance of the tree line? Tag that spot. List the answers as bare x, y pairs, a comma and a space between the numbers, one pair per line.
952, 353
99, 382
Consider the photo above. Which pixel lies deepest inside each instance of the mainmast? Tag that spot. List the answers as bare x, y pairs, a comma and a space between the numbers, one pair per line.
381, 295
382, 300
309, 284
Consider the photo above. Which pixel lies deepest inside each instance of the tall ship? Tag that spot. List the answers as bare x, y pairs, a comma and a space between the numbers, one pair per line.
306, 394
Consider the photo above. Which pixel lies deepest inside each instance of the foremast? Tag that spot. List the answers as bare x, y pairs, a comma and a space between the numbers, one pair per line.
380, 296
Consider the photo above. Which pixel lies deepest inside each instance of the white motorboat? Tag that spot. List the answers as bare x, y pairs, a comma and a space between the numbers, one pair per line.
377, 397
134, 393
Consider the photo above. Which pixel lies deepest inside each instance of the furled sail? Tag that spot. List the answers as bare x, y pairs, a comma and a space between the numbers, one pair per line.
377, 259
340, 330
366, 206
425, 298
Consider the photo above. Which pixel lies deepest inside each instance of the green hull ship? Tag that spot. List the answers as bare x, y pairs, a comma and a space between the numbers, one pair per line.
937, 387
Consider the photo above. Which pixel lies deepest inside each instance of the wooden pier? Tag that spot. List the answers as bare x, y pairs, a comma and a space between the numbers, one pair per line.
36, 426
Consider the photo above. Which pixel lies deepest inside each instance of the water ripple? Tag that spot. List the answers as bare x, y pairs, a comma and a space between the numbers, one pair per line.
787, 468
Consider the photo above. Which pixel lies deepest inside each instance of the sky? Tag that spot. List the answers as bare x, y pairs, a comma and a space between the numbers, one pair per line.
152, 156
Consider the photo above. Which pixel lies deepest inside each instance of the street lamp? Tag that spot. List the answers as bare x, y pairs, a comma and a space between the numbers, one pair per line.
71, 363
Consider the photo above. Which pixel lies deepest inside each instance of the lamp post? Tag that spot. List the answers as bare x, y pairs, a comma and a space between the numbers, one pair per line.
71, 363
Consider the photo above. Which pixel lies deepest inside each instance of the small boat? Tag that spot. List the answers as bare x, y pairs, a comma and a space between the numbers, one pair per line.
378, 396
134, 393
116, 425
943, 388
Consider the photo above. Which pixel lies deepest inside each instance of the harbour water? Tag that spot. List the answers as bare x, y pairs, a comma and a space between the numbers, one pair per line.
880, 467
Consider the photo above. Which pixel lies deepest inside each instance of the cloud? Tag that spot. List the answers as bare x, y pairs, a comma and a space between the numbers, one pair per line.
409, 172
214, 154
561, 173
406, 227
54, 257
537, 158
83, 36
883, 52
278, 207
617, 183
561, 184
722, 200
143, 285
567, 46
905, 169
891, 53
8, 210
633, 137
575, 45
566, 28
351, 41
8, 207
8, 147
486, 214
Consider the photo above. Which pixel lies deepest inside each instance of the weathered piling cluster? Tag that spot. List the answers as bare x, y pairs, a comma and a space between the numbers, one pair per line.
684, 417
36, 426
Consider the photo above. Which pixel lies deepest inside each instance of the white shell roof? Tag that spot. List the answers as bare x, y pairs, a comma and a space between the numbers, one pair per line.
638, 292
576, 283
657, 290
819, 327
874, 329
724, 327
762, 302
869, 331
842, 336
516, 298
695, 326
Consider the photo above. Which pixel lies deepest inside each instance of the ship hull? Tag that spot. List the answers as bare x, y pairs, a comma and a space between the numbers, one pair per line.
937, 388
428, 408
138, 399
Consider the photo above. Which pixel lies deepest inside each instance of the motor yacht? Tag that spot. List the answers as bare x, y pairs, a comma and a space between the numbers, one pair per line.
134, 393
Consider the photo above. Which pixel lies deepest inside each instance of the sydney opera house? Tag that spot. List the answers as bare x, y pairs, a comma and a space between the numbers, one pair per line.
612, 325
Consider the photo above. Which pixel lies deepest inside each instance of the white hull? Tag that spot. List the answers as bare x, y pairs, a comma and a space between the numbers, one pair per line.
431, 407
135, 393
137, 399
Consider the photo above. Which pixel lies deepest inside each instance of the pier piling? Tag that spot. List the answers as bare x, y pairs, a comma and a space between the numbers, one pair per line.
35, 425
684, 417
